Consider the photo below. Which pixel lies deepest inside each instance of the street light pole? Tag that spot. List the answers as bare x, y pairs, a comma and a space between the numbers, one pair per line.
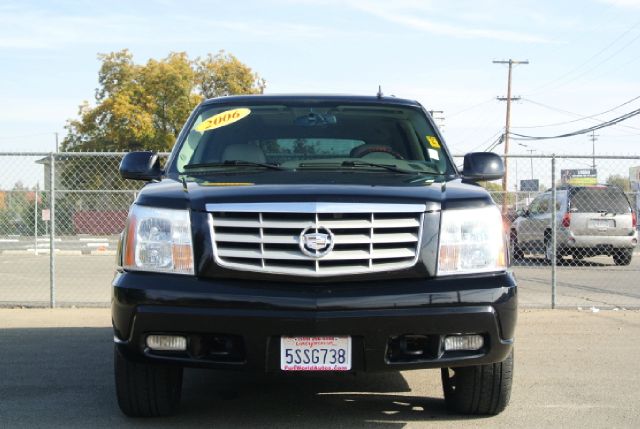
530, 156
531, 159
593, 149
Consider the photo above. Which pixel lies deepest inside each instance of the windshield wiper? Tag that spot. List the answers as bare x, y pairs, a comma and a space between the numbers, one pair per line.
375, 164
347, 163
234, 163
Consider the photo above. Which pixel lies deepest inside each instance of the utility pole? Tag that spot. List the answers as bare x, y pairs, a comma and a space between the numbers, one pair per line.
594, 138
56, 142
508, 99
439, 118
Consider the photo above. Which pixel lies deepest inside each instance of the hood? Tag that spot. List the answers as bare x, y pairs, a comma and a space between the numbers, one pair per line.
281, 186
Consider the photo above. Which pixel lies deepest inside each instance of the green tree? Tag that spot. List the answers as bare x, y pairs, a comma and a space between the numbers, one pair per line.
145, 106
223, 74
498, 195
620, 181
122, 118
17, 212
169, 84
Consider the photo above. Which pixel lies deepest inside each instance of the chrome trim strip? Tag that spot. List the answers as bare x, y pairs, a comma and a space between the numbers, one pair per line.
321, 207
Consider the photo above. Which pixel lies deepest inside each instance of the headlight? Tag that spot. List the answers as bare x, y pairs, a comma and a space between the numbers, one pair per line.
471, 241
158, 240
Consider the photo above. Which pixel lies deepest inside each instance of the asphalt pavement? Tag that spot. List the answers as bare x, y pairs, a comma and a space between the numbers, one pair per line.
85, 279
574, 369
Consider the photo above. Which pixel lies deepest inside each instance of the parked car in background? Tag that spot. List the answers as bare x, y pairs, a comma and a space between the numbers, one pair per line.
590, 221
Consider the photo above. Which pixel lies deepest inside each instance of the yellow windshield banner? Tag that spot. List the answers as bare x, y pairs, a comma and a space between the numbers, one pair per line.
223, 119
433, 142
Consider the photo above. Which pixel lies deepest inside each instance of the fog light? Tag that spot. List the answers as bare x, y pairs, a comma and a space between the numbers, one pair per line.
463, 342
167, 342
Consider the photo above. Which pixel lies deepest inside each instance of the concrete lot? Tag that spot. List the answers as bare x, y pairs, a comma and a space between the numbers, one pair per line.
573, 369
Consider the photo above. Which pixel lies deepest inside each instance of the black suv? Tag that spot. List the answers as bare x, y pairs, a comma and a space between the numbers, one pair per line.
313, 233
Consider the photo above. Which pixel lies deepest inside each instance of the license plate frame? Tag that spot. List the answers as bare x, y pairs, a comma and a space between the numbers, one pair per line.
319, 353
602, 224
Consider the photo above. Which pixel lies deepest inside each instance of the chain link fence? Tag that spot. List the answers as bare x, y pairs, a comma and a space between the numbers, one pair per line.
61, 215
60, 219
581, 251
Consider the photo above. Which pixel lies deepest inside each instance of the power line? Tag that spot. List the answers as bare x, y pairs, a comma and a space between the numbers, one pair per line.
497, 135
594, 56
471, 107
609, 123
478, 123
495, 144
600, 63
582, 117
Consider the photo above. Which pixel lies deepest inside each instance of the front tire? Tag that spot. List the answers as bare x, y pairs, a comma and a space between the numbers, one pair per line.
480, 389
516, 251
146, 390
548, 250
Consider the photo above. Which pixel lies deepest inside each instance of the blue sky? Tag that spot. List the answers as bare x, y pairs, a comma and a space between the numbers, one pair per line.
584, 58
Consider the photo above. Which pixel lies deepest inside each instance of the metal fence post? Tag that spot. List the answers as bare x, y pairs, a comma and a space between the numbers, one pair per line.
553, 231
35, 220
52, 229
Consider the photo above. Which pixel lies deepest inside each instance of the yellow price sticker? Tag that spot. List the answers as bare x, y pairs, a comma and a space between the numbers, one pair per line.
223, 119
433, 142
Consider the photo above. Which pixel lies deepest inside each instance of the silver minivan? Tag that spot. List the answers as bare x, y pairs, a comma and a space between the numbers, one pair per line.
590, 221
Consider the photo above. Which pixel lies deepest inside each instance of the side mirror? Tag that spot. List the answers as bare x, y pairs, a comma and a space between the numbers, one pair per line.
482, 166
141, 166
523, 212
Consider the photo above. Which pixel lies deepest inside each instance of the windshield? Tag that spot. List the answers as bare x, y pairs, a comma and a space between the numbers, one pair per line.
298, 137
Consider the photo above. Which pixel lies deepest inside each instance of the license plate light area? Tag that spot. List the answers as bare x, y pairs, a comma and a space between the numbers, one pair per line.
328, 353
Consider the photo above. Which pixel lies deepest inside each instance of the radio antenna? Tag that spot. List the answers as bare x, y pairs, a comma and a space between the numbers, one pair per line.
380, 94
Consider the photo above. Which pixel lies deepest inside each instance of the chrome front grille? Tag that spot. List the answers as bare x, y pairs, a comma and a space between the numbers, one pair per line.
265, 237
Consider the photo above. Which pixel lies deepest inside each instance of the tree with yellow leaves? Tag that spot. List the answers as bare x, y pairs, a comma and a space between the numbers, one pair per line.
144, 106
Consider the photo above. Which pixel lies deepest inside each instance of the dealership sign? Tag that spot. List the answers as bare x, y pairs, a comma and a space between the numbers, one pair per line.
579, 176
532, 185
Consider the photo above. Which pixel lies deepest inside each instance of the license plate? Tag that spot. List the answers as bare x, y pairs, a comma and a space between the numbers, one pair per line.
601, 223
315, 353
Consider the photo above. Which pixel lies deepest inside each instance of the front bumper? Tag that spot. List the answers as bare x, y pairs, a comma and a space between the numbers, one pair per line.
248, 318
603, 242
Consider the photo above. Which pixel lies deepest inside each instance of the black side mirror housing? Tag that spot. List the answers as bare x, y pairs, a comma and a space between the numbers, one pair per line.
482, 166
141, 166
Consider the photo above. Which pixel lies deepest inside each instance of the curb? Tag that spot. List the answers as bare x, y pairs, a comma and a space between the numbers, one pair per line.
41, 252
102, 253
